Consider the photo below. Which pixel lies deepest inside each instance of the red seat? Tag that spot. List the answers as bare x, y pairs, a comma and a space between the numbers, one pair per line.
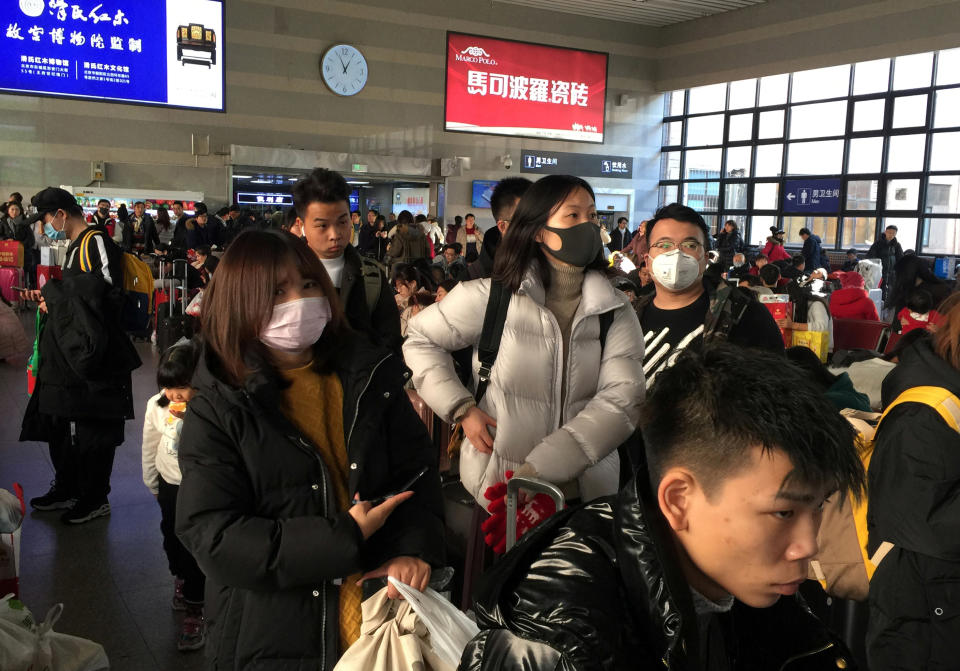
857, 333
892, 342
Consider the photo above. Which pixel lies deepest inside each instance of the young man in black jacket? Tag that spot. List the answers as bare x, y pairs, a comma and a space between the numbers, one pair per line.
83, 393
696, 563
323, 212
503, 203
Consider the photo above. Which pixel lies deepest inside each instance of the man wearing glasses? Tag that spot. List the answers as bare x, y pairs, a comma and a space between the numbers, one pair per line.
687, 308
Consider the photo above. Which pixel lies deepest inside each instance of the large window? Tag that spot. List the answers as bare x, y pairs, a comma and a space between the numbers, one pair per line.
888, 131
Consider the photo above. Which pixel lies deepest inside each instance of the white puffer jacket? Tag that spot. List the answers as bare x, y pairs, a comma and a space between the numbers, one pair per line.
602, 405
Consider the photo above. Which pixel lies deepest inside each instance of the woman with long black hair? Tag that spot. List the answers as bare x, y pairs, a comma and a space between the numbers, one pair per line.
562, 394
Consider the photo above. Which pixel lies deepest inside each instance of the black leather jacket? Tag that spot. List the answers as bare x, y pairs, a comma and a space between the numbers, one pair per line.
598, 587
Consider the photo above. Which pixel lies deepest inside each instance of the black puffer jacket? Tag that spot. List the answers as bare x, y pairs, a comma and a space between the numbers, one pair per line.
598, 587
85, 356
914, 479
257, 510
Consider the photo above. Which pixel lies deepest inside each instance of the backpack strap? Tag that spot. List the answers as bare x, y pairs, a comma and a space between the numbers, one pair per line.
84, 250
727, 307
942, 400
493, 321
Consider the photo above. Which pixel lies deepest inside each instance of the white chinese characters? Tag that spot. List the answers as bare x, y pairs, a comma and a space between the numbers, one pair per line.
511, 87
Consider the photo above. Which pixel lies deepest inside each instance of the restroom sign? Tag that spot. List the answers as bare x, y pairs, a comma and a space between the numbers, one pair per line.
820, 196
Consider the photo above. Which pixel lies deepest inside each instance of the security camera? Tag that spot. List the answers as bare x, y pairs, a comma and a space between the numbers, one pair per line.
507, 162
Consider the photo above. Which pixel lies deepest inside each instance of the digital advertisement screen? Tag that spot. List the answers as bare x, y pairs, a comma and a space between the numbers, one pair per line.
502, 87
151, 52
482, 192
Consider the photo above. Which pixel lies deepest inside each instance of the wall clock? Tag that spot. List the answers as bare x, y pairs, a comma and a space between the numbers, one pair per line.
344, 69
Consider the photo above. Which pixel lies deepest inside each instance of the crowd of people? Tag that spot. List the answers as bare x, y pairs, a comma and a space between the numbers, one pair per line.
640, 372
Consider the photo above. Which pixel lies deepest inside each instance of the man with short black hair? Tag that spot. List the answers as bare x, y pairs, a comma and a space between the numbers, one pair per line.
140, 231
620, 236
770, 276
887, 248
322, 201
812, 252
796, 269
503, 203
852, 261
697, 562
688, 308
84, 390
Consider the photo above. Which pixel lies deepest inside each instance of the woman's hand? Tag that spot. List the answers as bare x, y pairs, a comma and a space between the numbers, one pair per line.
475, 424
370, 517
785, 323
408, 570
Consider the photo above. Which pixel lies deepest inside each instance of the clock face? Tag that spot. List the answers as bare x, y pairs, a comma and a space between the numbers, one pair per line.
344, 69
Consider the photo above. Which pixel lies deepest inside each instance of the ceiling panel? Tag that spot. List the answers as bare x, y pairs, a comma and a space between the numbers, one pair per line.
646, 12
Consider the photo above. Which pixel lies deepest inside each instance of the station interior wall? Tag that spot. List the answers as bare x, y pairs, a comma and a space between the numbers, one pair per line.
275, 97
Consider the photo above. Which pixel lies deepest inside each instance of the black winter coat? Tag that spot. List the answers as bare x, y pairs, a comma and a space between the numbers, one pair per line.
619, 239
728, 244
599, 587
256, 508
813, 254
85, 356
149, 236
914, 480
382, 325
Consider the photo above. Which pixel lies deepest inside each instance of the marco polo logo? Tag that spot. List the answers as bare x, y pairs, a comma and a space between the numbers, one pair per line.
475, 55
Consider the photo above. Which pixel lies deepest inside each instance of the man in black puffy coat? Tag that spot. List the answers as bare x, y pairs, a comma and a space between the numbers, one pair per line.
697, 562
914, 480
84, 390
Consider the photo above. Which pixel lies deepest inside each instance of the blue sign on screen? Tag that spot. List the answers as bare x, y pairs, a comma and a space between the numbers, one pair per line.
820, 196
482, 192
159, 52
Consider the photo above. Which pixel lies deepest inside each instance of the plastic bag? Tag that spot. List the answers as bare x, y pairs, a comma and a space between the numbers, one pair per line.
193, 308
27, 646
450, 630
11, 518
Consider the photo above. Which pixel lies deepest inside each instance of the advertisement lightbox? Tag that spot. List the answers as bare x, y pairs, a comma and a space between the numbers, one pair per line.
151, 52
503, 87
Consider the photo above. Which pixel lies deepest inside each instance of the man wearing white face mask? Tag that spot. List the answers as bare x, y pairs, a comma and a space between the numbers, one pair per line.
687, 308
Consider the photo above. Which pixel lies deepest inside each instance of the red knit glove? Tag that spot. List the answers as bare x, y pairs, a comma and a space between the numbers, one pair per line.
539, 508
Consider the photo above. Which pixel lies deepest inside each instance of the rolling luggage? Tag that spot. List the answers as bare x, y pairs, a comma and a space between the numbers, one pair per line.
173, 322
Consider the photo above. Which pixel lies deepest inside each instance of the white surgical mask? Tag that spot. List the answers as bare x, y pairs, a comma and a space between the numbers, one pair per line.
675, 270
296, 325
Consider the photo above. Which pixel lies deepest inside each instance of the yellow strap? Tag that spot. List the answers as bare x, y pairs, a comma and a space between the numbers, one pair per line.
942, 400
85, 265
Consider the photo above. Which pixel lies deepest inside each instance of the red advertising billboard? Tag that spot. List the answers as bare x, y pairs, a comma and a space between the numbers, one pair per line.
502, 87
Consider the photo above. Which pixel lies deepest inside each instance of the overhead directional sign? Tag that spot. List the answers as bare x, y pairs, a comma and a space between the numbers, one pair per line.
818, 196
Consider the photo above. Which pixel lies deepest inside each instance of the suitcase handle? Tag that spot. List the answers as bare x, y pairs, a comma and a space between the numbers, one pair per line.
535, 485
183, 289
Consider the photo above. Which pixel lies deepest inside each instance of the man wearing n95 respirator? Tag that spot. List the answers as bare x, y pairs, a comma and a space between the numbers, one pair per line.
686, 307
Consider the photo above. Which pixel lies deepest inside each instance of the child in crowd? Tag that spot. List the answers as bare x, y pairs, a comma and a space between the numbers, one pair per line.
162, 424
919, 313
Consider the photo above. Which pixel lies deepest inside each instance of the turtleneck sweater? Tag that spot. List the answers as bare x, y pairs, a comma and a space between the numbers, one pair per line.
563, 299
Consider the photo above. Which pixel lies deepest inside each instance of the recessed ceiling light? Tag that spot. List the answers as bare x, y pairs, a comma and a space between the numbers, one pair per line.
242, 176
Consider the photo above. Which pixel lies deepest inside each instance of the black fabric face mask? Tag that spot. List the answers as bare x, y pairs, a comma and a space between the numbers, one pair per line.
579, 245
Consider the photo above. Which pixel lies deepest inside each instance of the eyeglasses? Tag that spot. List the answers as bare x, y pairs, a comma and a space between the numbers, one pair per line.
690, 246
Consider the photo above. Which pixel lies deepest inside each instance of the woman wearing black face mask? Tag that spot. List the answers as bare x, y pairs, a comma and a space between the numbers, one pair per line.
561, 397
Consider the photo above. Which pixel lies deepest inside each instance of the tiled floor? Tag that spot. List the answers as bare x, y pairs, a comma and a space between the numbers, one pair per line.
111, 574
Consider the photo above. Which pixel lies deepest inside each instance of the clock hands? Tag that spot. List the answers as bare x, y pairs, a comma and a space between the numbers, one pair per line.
346, 66
341, 63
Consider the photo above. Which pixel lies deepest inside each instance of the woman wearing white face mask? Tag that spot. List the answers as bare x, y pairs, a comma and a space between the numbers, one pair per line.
561, 397
295, 419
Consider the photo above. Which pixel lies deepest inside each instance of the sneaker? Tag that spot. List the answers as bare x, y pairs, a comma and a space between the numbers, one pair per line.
55, 499
81, 513
178, 603
193, 630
